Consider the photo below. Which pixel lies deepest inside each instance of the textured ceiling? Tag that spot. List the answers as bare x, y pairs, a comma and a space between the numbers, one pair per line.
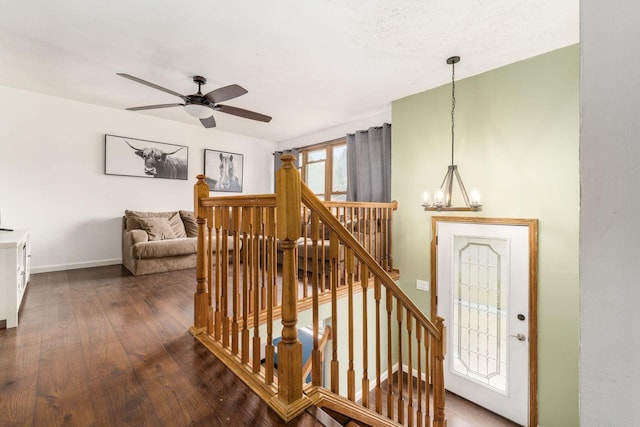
309, 64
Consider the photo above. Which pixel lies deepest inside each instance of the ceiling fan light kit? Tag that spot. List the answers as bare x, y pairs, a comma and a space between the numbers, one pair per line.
202, 106
198, 111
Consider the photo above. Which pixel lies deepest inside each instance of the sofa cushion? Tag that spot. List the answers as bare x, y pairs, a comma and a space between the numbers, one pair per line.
175, 221
190, 224
164, 248
133, 216
157, 228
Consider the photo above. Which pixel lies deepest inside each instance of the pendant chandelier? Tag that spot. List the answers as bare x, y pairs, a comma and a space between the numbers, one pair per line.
442, 198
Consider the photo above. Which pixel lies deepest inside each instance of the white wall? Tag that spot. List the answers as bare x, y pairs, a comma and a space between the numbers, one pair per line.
610, 214
52, 179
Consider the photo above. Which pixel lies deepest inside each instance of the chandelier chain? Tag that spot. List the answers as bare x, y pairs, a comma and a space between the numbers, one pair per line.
453, 107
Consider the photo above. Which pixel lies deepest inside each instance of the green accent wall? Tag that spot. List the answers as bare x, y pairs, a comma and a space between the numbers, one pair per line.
517, 140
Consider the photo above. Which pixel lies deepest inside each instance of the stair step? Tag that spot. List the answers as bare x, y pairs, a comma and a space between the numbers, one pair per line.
323, 417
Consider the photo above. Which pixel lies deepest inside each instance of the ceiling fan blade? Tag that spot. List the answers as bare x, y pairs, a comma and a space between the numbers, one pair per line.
152, 107
153, 85
225, 93
243, 113
209, 122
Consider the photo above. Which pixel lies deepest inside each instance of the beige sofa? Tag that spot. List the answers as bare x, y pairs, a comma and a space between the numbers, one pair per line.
154, 242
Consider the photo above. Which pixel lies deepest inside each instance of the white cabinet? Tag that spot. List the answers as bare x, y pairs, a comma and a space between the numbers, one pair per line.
15, 266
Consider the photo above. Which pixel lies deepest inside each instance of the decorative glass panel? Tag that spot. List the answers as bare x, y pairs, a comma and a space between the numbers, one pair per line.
479, 301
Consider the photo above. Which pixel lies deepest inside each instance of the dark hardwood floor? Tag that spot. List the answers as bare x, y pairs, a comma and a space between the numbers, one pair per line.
99, 347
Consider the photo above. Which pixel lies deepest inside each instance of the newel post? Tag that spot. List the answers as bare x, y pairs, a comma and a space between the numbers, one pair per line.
200, 299
288, 231
439, 419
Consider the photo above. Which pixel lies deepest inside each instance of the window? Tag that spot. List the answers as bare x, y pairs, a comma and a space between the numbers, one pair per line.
324, 169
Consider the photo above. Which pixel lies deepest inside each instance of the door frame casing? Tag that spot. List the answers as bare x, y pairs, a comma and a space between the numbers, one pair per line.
532, 224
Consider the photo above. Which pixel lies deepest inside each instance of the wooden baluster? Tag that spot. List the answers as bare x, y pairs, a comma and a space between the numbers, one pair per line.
367, 234
384, 238
316, 369
428, 377
364, 278
378, 390
263, 257
274, 259
322, 262
225, 276
351, 373
439, 419
400, 316
335, 372
419, 380
348, 224
410, 367
375, 251
305, 252
210, 274
246, 236
390, 236
390, 399
342, 275
271, 275
288, 229
219, 283
255, 264
235, 326
200, 298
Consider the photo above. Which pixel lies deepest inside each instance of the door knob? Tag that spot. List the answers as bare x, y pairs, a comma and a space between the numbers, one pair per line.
520, 337
521, 317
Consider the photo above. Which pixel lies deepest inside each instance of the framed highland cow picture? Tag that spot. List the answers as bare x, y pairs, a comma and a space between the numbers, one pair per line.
223, 170
145, 159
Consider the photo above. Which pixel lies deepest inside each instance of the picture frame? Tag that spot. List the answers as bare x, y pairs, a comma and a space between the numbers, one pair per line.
224, 171
145, 159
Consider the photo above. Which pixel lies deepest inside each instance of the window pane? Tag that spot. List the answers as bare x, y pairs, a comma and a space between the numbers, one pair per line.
315, 177
339, 168
313, 156
339, 197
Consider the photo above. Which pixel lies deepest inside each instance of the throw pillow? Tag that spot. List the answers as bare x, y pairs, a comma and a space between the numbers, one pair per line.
157, 228
175, 221
190, 224
132, 217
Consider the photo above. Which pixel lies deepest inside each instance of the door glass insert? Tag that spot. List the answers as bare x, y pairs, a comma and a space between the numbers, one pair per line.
480, 299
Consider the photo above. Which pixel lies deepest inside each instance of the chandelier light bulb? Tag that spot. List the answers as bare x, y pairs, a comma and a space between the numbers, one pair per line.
474, 197
426, 199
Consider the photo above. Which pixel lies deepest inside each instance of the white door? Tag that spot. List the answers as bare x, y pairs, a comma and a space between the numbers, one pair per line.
483, 295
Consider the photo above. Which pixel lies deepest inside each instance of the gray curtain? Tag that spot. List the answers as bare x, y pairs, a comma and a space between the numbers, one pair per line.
369, 165
277, 163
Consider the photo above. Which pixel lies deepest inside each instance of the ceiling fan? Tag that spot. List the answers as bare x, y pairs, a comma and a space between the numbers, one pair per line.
203, 106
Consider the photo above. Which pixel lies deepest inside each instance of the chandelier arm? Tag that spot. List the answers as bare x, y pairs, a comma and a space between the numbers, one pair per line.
448, 191
464, 190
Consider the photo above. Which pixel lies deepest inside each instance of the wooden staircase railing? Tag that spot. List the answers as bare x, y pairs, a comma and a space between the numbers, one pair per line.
259, 258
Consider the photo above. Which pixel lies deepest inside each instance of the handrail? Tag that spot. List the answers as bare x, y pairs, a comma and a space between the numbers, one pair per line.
312, 201
322, 343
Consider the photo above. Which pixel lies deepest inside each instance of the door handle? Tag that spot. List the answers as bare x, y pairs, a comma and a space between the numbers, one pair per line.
520, 337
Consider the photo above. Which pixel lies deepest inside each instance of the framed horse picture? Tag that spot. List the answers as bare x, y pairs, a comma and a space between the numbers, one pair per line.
223, 171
